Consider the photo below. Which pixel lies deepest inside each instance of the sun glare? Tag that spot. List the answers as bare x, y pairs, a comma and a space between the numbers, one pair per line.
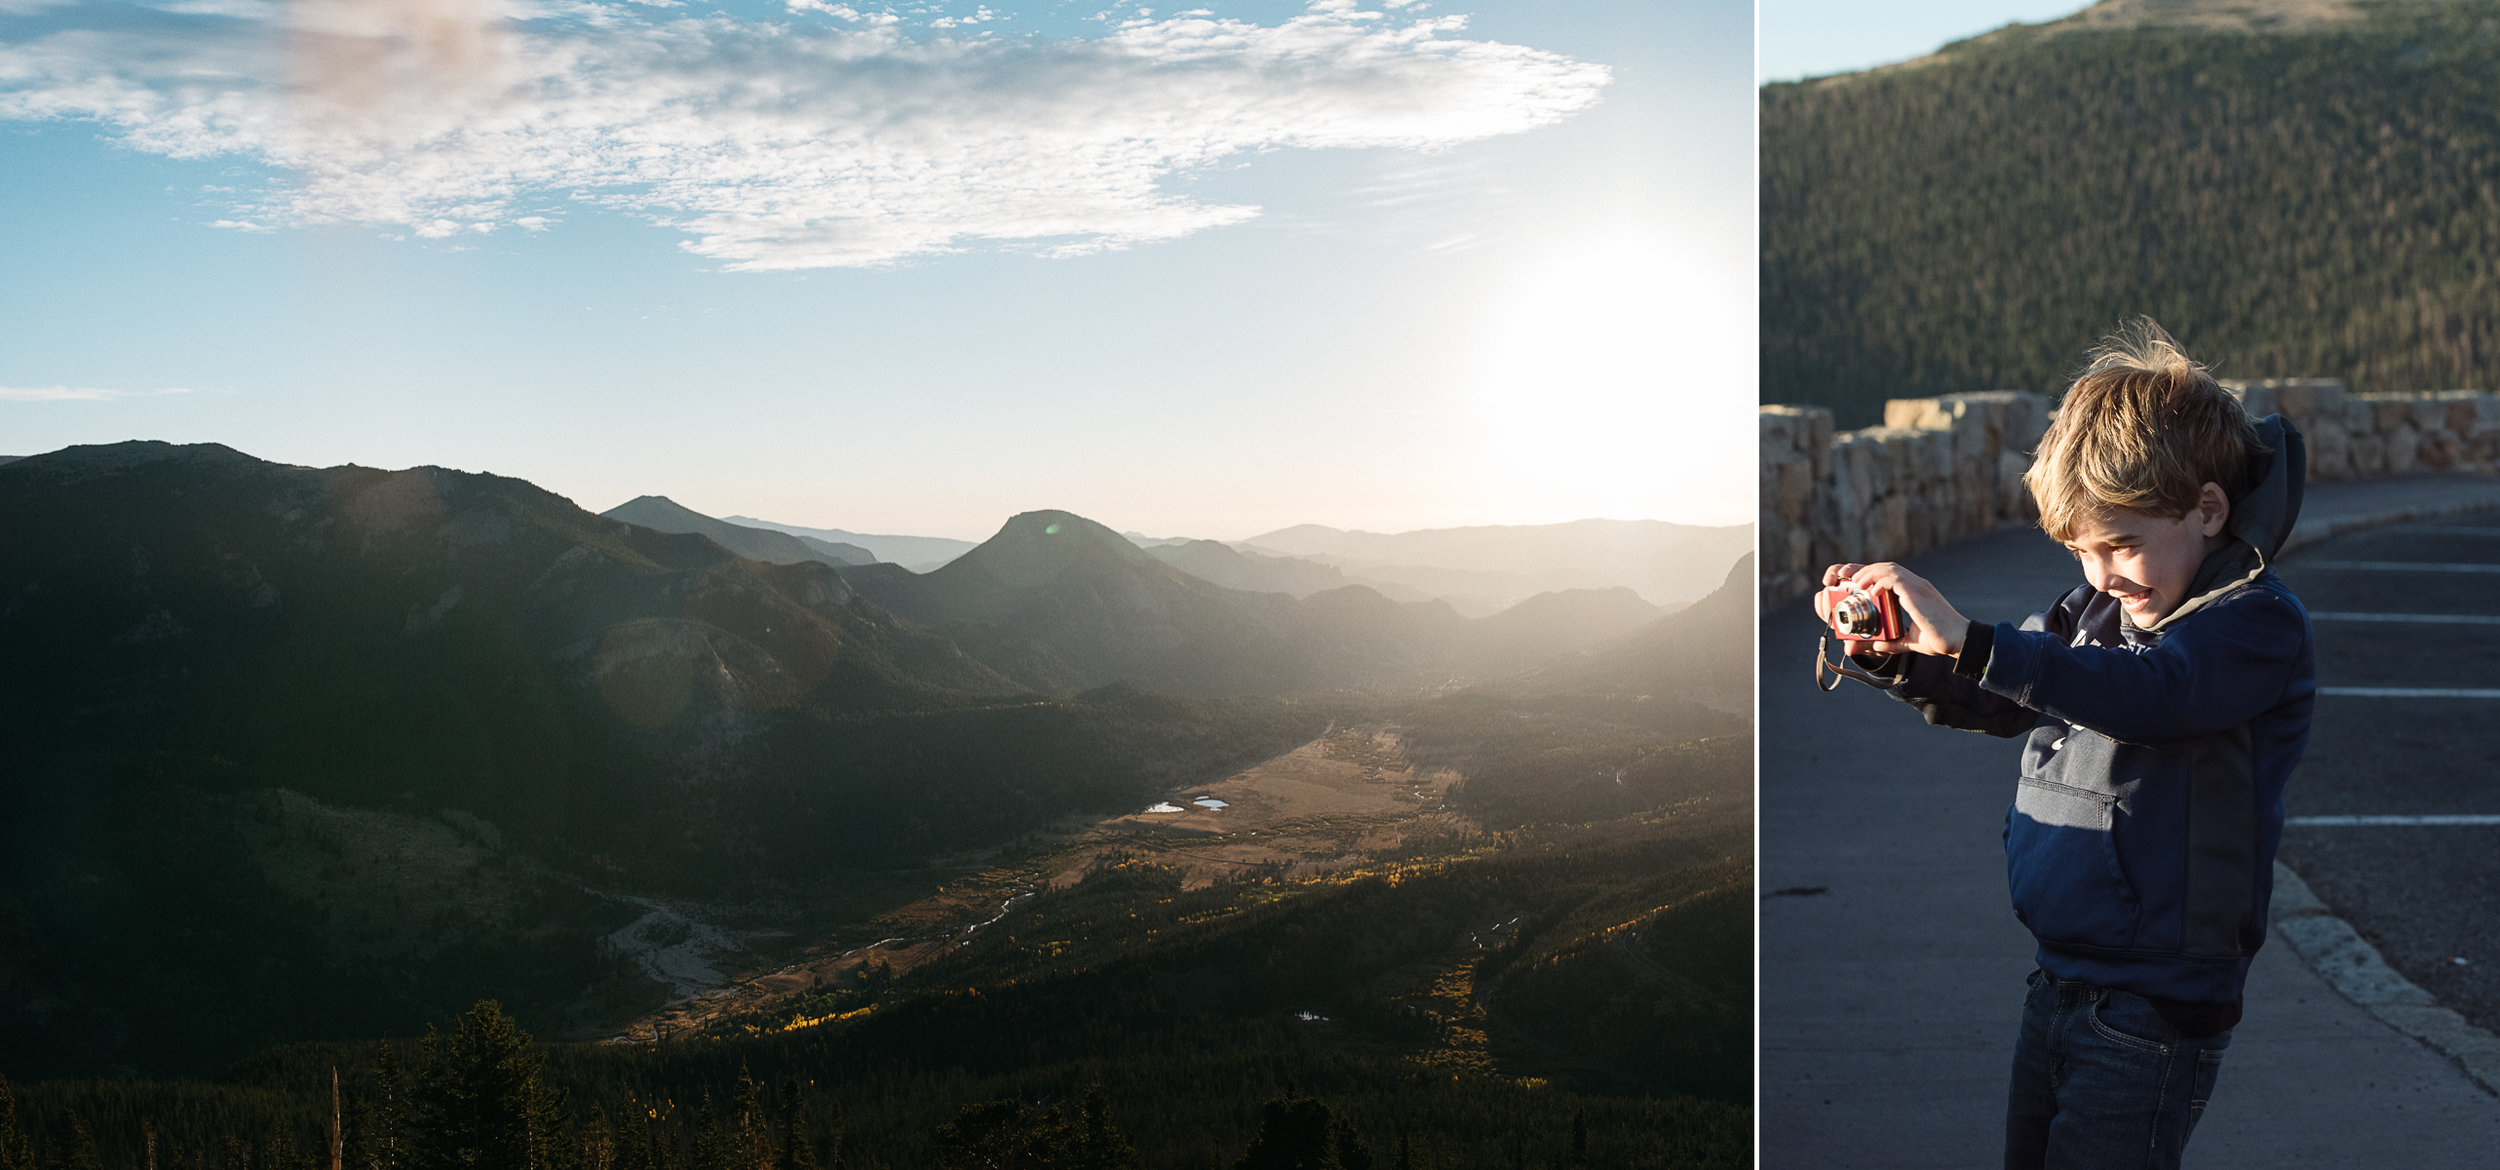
1608, 375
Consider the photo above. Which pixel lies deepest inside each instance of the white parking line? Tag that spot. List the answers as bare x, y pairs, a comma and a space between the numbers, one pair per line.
2400, 566
2440, 619
2433, 819
2411, 692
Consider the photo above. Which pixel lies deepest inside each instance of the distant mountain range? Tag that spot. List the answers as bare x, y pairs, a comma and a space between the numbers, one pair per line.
1496, 565
1479, 571
1702, 653
916, 553
773, 547
343, 745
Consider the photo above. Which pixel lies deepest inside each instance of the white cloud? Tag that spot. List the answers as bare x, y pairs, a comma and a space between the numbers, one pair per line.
774, 145
75, 393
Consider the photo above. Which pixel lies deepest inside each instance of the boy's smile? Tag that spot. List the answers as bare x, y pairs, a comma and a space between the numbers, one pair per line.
2148, 562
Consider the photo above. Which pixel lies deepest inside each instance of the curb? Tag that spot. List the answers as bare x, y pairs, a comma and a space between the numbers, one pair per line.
2308, 533
2356, 970
2328, 944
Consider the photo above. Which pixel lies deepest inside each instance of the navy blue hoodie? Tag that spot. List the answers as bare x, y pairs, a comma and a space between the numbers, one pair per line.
2141, 843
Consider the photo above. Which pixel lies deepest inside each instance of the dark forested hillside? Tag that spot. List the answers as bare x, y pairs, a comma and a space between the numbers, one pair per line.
850, 866
2323, 202
344, 746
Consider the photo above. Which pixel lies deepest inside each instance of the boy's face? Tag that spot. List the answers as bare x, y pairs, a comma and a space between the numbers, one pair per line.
2147, 562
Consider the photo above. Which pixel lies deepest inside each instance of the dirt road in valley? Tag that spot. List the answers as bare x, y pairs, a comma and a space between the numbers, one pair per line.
1326, 805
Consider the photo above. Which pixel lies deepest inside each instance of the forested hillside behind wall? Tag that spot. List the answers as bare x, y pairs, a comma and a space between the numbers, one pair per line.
2323, 202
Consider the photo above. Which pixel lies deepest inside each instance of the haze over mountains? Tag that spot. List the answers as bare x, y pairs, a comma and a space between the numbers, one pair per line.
1493, 566
661, 514
916, 553
426, 730
1478, 571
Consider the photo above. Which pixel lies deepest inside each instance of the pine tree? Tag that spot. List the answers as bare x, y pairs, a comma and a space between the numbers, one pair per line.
1004, 1135
1348, 1146
384, 1128
1099, 1144
798, 1146
1295, 1133
485, 1104
750, 1130
16, 1153
599, 1142
711, 1146
81, 1152
1580, 1137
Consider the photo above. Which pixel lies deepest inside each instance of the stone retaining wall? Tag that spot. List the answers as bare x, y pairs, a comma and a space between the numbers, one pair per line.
1941, 469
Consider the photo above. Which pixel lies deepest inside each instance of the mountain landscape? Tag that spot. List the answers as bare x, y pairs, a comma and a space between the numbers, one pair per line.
1488, 568
917, 553
306, 758
2296, 188
661, 514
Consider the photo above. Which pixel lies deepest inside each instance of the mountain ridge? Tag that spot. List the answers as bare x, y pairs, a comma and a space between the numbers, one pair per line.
662, 514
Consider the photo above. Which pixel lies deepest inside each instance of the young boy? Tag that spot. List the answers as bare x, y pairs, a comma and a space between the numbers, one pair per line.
2167, 700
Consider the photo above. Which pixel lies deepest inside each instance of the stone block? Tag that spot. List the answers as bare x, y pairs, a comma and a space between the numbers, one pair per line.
2377, 414
2026, 419
2309, 401
2014, 500
1772, 534
2441, 450
1779, 430
2430, 412
2484, 415
1793, 495
2368, 455
2464, 413
2257, 398
2404, 449
1917, 413
2331, 456
1853, 466
1890, 538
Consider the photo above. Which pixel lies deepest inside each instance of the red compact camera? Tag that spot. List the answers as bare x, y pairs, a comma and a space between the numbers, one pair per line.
1863, 615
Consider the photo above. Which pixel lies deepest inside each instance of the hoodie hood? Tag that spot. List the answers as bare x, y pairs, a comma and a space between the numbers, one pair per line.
2261, 520
2263, 515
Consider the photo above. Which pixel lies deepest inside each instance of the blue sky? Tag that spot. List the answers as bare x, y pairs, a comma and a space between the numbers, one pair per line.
902, 267
1811, 38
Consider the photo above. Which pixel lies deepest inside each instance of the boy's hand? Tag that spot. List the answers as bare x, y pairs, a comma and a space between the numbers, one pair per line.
1929, 623
1832, 575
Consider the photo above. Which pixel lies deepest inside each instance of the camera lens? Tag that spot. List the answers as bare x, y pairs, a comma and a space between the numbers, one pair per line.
1855, 615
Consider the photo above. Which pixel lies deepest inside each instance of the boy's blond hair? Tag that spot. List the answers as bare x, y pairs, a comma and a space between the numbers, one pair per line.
2142, 428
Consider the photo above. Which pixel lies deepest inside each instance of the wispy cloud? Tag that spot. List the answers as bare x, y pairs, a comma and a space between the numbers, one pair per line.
76, 393
827, 140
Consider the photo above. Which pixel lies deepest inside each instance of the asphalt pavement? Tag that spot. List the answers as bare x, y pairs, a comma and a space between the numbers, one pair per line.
2396, 824
1892, 966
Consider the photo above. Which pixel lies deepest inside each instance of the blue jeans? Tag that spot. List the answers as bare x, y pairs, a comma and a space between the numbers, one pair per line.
2102, 1081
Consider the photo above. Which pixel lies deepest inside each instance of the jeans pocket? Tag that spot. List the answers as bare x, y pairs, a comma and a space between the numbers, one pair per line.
2124, 1018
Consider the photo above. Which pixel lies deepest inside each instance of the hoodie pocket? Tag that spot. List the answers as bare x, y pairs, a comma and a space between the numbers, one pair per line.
2062, 862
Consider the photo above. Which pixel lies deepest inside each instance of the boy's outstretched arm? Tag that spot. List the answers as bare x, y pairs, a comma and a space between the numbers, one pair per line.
1921, 667
2233, 661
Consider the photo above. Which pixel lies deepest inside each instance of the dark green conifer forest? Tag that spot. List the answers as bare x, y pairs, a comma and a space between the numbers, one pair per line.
2301, 204
1562, 984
